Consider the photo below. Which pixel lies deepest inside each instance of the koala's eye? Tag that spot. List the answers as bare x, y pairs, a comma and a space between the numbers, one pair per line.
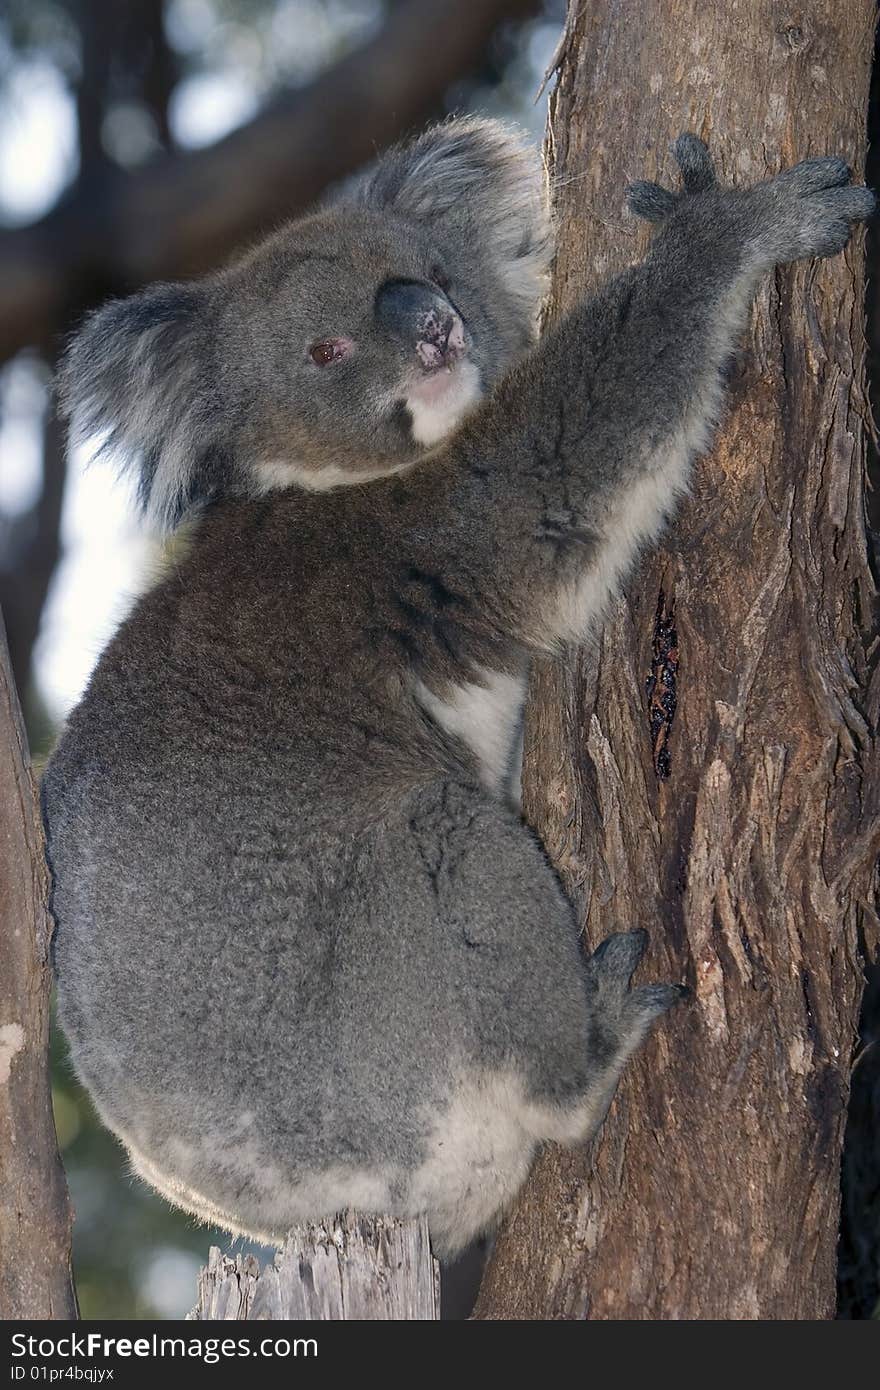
333, 350
439, 278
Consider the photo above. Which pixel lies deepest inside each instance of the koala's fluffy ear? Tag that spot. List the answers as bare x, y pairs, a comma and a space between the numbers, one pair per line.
482, 184
138, 374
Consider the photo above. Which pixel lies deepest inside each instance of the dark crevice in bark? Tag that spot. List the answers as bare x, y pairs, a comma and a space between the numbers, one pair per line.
661, 683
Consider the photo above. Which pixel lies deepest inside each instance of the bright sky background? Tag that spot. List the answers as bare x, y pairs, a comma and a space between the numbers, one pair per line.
105, 550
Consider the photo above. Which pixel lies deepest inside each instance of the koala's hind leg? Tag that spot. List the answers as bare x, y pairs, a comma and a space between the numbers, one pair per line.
620, 1016
531, 1036
555, 1026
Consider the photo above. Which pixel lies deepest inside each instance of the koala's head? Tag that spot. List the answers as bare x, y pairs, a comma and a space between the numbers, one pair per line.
345, 346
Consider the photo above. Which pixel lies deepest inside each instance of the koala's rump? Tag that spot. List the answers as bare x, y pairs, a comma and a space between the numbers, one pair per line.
278, 1022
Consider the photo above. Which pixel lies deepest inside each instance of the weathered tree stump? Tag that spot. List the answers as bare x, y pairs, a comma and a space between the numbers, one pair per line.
353, 1268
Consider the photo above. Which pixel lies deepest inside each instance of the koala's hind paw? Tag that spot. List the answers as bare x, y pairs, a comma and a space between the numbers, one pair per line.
619, 1009
655, 203
610, 969
622, 1016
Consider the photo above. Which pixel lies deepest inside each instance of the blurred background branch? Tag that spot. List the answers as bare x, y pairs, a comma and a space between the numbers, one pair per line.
182, 214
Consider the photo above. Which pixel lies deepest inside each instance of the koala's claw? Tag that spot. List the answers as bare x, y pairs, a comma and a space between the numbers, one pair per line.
652, 1000
614, 959
655, 203
808, 210
695, 162
813, 175
610, 969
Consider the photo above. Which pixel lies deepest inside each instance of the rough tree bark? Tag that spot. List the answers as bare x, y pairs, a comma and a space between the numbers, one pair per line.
710, 769
35, 1216
351, 1269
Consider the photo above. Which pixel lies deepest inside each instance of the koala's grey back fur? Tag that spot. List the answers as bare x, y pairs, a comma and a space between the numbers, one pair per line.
308, 954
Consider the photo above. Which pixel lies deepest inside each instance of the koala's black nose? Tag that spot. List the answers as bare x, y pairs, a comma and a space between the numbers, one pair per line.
423, 319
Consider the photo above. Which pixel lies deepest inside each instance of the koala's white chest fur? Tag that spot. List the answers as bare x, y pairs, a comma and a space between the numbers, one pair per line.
487, 716
439, 404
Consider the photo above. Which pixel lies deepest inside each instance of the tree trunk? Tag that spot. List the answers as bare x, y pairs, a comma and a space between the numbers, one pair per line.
709, 769
35, 1217
353, 1268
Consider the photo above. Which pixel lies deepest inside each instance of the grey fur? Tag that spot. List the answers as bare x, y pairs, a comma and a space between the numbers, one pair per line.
307, 954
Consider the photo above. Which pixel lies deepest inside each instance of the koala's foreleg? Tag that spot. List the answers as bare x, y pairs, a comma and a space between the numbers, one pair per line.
587, 444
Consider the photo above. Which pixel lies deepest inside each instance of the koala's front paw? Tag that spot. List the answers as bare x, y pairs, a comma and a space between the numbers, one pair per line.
622, 1014
655, 203
809, 210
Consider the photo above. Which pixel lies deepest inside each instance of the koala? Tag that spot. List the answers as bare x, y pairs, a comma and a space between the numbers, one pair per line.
309, 956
